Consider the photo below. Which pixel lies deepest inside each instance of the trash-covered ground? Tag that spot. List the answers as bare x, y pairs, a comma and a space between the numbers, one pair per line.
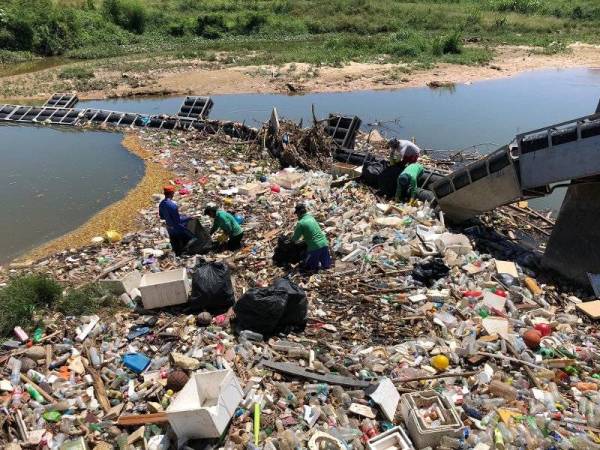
414, 339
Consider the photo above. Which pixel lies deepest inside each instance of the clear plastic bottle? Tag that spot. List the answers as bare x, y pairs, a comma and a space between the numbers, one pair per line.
15, 375
287, 394
94, 357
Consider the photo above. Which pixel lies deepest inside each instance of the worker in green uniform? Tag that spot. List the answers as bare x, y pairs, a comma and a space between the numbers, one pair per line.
226, 222
406, 188
317, 246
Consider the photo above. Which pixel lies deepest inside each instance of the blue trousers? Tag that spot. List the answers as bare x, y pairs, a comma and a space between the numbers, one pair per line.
316, 258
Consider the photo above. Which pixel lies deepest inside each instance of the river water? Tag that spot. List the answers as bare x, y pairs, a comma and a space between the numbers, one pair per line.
54, 180
57, 179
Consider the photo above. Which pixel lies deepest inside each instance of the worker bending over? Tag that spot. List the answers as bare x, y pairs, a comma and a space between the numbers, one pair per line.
168, 211
226, 222
406, 189
308, 229
404, 152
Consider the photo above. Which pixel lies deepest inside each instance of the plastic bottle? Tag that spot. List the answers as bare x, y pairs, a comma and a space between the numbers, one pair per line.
15, 376
500, 389
35, 394
35, 376
94, 357
16, 397
166, 400
287, 394
250, 336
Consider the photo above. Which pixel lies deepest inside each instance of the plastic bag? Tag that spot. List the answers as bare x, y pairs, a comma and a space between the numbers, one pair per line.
429, 271
260, 310
201, 243
288, 252
281, 307
212, 290
296, 311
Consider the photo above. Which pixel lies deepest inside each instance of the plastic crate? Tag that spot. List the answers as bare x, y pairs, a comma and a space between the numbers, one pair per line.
205, 405
165, 288
421, 434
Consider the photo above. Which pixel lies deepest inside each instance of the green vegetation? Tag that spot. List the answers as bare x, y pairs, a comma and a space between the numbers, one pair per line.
278, 31
25, 299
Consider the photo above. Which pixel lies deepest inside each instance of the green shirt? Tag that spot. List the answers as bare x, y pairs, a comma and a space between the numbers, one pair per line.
308, 229
414, 171
227, 223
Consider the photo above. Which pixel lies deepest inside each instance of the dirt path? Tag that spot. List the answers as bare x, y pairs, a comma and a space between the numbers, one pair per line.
207, 78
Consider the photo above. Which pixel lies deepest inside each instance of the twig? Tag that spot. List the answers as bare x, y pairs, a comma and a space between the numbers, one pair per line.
434, 377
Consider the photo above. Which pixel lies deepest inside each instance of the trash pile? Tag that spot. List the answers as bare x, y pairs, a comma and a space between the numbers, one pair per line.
413, 340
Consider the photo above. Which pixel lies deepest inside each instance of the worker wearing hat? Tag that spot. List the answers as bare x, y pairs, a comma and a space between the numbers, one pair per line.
308, 229
168, 211
226, 222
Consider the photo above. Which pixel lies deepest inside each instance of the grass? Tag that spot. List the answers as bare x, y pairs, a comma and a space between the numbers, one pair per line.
26, 299
287, 30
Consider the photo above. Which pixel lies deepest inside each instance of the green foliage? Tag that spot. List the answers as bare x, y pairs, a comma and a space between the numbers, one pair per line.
451, 43
519, 6
22, 296
128, 14
87, 299
211, 26
76, 72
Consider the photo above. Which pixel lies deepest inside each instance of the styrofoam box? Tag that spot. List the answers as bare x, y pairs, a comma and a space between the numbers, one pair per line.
126, 283
393, 439
205, 405
164, 288
421, 435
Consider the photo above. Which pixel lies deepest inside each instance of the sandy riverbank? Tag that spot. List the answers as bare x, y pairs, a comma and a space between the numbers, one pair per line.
121, 215
183, 77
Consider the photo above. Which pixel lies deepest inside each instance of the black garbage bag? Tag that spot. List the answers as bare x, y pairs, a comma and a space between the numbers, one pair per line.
295, 315
429, 271
212, 290
388, 180
260, 310
372, 171
288, 252
201, 243
281, 307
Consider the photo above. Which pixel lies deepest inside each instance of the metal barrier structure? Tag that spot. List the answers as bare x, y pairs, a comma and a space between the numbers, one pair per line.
62, 100
196, 108
343, 130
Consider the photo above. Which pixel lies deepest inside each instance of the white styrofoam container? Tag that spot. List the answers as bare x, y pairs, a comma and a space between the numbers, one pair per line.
165, 288
422, 435
393, 439
125, 284
205, 405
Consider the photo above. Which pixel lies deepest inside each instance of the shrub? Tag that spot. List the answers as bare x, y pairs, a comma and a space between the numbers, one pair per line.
22, 296
85, 300
128, 14
250, 23
78, 73
405, 44
519, 6
211, 26
451, 43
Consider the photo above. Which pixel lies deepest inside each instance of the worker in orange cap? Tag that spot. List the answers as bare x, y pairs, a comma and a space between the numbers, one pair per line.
168, 211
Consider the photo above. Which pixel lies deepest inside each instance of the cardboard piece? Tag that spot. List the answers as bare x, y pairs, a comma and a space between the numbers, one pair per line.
592, 309
508, 267
363, 410
493, 301
387, 397
496, 325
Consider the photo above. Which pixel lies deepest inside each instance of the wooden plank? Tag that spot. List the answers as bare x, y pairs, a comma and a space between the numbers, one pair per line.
297, 371
42, 392
142, 419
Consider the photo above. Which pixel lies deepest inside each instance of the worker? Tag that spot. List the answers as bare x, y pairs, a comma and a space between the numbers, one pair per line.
226, 222
317, 246
168, 211
404, 152
406, 188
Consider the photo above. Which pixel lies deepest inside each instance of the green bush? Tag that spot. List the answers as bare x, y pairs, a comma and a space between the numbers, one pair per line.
451, 43
128, 14
87, 299
78, 73
211, 26
518, 6
406, 44
22, 296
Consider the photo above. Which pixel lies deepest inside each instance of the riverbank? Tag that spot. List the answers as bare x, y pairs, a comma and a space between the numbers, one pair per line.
138, 77
121, 216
